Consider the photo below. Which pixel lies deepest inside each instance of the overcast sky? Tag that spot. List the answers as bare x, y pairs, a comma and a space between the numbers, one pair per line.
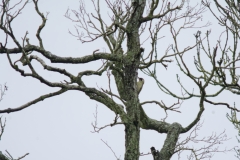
60, 127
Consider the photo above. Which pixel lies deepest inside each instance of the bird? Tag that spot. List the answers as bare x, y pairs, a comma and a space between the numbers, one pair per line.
140, 84
154, 152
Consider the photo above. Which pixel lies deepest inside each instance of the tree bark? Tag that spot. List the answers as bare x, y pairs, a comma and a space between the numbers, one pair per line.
169, 144
131, 64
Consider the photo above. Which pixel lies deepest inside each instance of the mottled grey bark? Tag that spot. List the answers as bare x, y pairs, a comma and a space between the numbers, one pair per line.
131, 63
170, 142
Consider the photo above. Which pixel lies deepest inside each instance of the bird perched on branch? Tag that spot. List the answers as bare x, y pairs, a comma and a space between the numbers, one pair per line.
140, 84
154, 152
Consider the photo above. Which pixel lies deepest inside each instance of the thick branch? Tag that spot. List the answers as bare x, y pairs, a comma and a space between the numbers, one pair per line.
169, 144
56, 59
152, 124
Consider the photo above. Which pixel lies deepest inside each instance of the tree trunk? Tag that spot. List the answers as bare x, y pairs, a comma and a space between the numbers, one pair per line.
132, 136
131, 64
132, 128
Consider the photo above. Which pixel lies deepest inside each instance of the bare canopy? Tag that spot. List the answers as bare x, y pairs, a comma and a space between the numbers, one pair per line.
131, 34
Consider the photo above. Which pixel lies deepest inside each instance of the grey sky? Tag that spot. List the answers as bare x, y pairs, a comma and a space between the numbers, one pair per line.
59, 127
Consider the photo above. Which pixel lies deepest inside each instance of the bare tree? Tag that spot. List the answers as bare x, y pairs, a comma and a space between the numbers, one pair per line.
129, 23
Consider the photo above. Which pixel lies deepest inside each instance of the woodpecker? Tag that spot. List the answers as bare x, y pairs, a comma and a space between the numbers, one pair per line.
140, 84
